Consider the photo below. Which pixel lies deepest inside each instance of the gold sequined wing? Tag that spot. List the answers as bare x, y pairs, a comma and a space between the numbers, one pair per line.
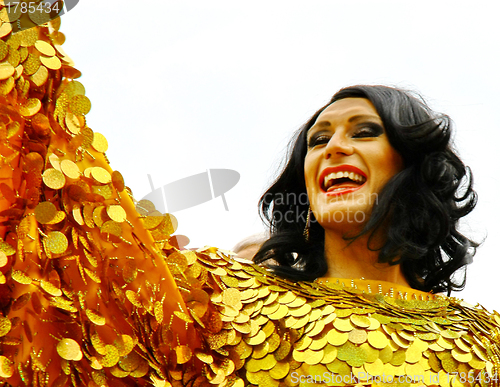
85, 294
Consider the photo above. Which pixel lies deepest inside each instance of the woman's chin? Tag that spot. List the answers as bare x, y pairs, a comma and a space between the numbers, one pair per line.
345, 219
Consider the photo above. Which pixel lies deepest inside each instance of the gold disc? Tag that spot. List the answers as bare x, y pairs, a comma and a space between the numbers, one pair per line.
53, 178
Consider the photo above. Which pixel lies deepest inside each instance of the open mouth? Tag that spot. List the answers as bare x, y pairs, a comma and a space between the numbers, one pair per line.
342, 180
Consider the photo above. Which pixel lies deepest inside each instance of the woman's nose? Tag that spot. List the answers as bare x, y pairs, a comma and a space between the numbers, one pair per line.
338, 145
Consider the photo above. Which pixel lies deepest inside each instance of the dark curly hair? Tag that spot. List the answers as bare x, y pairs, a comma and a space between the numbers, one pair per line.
422, 204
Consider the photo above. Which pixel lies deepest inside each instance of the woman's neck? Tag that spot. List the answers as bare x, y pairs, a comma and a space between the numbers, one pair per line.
353, 259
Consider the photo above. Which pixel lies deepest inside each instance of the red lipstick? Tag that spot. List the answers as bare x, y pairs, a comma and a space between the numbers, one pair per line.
340, 168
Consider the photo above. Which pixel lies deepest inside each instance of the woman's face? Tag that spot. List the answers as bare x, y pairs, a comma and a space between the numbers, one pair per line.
349, 160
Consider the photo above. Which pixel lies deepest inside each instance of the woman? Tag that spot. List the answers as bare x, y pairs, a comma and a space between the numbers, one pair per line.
95, 292
402, 208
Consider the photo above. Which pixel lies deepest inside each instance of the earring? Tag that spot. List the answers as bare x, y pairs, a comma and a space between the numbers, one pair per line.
308, 224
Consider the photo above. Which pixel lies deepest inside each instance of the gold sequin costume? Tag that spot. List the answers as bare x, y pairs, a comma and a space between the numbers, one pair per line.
94, 292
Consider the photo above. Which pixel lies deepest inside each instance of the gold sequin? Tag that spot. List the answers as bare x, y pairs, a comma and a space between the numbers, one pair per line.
183, 353
50, 288
30, 107
53, 178
70, 169
73, 88
377, 339
31, 64
3, 259
96, 317
7, 85
5, 29
5, 326
111, 357
351, 354
77, 216
4, 49
129, 362
79, 104
300, 322
73, 123
6, 367
413, 354
337, 338
101, 175
45, 212
40, 76
100, 143
129, 275
360, 321
21, 277
112, 227
45, 48
463, 357
29, 37
343, 325
375, 368
301, 311
6, 70
54, 63
398, 357
116, 213
57, 242
99, 215
87, 136
69, 349
118, 181
357, 336
151, 222
6, 248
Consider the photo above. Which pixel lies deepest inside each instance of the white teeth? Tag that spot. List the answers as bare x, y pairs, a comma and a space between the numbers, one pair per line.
328, 181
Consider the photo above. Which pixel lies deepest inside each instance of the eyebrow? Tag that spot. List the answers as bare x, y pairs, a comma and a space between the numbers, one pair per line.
363, 116
327, 124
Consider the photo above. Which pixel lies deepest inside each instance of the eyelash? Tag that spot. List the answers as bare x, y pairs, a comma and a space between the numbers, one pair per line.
366, 131
321, 139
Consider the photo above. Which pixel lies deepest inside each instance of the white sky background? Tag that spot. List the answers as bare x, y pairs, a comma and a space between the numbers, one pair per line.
179, 87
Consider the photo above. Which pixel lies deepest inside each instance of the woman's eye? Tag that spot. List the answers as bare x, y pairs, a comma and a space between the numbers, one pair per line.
318, 140
368, 131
